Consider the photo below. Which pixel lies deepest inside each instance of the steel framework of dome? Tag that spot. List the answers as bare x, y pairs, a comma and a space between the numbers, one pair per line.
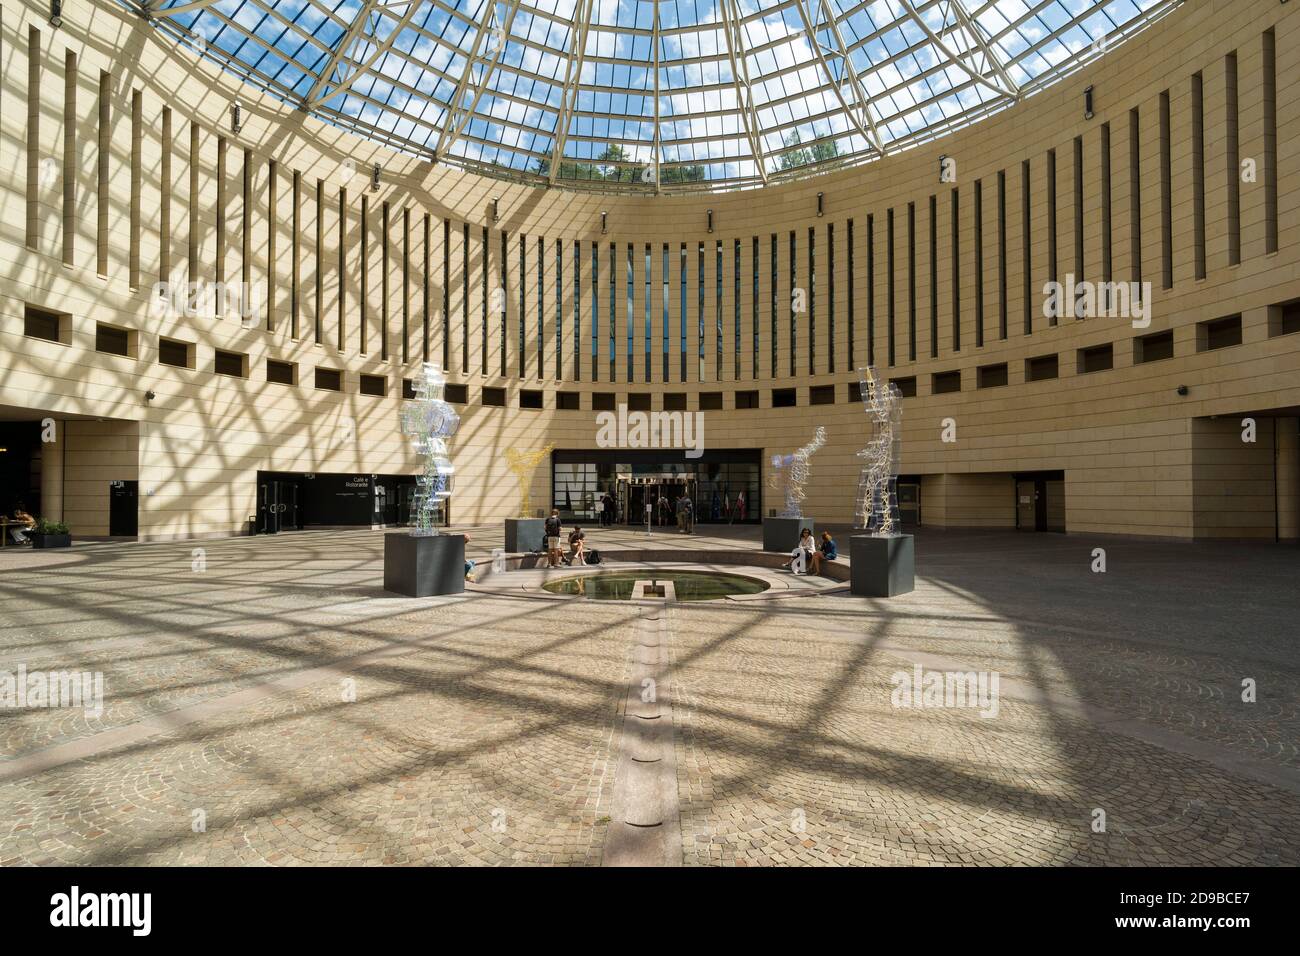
650, 95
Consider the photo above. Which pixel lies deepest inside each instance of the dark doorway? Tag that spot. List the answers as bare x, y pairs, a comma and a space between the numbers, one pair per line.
279, 504
20, 467
1040, 501
123, 509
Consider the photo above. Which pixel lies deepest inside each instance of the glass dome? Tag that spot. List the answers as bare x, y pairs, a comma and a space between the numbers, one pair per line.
650, 95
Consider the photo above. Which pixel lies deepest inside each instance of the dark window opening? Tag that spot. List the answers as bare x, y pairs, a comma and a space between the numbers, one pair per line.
710, 401
906, 386
229, 363
1218, 333
177, 354
784, 398
991, 376
111, 340
40, 324
821, 395
674, 401
1099, 358
530, 398
329, 379
603, 401
747, 399
568, 401
1153, 348
638, 402
374, 385
494, 396
946, 382
1042, 368
457, 394
281, 373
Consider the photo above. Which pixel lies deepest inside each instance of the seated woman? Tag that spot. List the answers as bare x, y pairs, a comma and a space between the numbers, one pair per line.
25, 523
805, 551
577, 546
827, 552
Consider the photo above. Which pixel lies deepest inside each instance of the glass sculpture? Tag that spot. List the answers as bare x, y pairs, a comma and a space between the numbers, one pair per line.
877, 510
429, 422
792, 471
522, 464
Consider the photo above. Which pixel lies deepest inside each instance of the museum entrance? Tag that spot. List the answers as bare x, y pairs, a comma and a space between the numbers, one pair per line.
724, 485
1040, 501
278, 505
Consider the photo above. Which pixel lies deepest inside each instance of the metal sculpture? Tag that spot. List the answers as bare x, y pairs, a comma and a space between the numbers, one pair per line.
429, 422
522, 464
793, 471
877, 510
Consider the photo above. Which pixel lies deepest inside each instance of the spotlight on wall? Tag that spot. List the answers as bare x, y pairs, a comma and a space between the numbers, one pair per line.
710, 220
375, 172
820, 203
1087, 103
56, 13
1182, 389
604, 221
496, 209
149, 396
236, 117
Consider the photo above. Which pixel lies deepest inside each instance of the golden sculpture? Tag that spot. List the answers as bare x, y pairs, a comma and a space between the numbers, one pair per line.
522, 464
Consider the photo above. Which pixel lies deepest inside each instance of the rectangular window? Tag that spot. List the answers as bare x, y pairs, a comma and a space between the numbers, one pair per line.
630, 315
747, 399
446, 294
41, 324
559, 309
979, 263
112, 340
1099, 358
1284, 319
1166, 197
464, 298
329, 379
1079, 268
954, 254
871, 290
603, 401
830, 297
613, 312
794, 302
890, 299
1026, 248
523, 306
1002, 254
175, 354
674, 401
667, 323
1053, 262
1041, 368
944, 383
681, 294
541, 307
376, 385
784, 398
1198, 175
281, 373
1135, 195
718, 287
568, 401
231, 363
495, 397
849, 279
991, 376
775, 283
530, 398
646, 308
1270, 140
595, 311
577, 311
408, 389
821, 395
812, 301
638, 402
456, 394
1153, 348
1218, 333
735, 286
753, 303
906, 386
710, 401
1232, 147
699, 254
1106, 258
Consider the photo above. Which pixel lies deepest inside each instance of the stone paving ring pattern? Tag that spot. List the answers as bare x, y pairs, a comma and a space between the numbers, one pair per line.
877, 510
429, 422
794, 471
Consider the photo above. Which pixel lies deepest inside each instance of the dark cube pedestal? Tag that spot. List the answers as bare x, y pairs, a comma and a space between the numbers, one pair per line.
525, 534
882, 566
782, 534
424, 566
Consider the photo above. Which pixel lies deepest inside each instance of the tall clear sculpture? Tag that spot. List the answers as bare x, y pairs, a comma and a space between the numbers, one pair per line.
793, 471
522, 464
429, 422
877, 510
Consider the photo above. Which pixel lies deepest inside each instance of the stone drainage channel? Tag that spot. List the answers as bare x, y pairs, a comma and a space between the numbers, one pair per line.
645, 821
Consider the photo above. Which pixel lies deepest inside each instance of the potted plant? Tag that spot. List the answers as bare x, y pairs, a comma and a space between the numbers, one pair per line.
50, 534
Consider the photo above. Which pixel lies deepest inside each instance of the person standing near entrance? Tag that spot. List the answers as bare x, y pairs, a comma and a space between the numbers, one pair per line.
689, 512
680, 508
664, 510
553, 529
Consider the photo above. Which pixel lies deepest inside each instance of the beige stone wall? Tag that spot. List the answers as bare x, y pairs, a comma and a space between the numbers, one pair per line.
173, 208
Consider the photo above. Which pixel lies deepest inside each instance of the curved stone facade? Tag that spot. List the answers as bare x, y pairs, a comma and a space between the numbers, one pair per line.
125, 172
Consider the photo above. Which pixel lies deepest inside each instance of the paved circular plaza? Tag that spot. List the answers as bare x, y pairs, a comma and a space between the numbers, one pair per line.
265, 701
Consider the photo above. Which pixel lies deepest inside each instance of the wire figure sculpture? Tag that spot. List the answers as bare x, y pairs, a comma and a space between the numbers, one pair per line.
793, 472
877, 509
429, 422
522, 464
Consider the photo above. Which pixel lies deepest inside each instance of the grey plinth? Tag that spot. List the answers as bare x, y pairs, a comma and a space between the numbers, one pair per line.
782, 534
425, 565
525, 534
882, 566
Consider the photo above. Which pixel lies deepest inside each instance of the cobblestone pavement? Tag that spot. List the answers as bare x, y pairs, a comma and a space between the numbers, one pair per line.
266, 703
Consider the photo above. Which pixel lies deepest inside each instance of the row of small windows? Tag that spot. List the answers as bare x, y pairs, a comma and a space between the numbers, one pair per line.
1225, 332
